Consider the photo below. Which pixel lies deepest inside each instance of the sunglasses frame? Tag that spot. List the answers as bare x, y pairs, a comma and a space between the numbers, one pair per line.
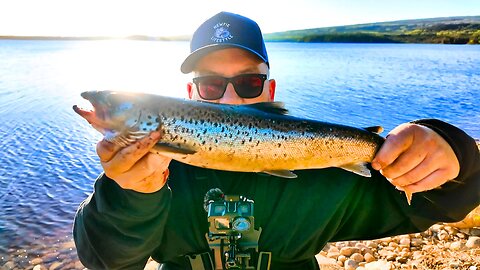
226, 81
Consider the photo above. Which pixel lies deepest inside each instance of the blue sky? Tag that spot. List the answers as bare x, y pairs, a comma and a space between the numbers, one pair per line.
181, 17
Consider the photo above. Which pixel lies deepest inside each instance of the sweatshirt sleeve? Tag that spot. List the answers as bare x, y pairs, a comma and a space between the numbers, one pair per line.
380, 210
116, 228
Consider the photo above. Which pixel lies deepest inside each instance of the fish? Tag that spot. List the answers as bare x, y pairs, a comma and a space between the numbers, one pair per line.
261, 137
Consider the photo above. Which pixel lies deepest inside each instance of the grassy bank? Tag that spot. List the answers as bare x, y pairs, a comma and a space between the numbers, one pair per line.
451, 30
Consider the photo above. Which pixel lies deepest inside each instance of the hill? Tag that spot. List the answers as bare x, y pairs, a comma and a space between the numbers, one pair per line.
448, 30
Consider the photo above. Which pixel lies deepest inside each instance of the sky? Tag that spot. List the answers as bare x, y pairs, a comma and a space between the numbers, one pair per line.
181, 17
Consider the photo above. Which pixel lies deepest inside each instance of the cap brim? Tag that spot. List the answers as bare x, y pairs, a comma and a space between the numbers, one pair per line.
189, 64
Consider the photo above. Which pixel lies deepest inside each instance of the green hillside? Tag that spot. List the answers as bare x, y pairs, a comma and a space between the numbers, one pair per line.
449, 30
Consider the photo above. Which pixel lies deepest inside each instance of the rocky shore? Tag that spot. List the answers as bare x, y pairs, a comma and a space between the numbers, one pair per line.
440, 247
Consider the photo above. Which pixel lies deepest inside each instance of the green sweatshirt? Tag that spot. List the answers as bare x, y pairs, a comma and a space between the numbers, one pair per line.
120, 229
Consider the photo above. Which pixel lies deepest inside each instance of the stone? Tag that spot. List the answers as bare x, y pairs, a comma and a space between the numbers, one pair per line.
404, 242
333, 254
379, 265
55, 266
416, 242
443, 235
457, 245
368, 257
348, 251
473, 242
474, 232
36, 261
342, 258
350, 264
8, 265
357, 257
371, 244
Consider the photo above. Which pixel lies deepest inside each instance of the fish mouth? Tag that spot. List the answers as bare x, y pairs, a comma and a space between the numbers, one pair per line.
94, 115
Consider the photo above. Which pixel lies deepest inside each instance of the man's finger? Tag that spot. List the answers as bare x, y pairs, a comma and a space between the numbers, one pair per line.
423, 170
106, 150
392, 148
148, 170
406, 162
429, 182
128, 156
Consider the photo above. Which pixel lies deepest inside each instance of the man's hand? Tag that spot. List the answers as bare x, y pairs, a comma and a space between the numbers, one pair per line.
134, 167
415, 158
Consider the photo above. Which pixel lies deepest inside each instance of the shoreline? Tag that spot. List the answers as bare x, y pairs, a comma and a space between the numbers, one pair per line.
439, 247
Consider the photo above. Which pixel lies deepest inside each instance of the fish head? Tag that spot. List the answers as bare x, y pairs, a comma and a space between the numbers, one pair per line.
114, 114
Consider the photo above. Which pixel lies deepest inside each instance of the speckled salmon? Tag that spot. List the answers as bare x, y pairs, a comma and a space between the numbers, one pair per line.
249, 138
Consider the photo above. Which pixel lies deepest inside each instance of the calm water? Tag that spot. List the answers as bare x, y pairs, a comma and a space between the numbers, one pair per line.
48, 161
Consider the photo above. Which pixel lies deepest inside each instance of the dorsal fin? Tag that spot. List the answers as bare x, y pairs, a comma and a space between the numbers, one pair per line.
270, 107
375, 129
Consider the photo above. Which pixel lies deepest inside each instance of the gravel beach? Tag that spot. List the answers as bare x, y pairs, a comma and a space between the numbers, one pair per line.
440, 247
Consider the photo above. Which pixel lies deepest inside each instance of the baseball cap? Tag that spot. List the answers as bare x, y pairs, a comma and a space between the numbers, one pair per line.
225, 30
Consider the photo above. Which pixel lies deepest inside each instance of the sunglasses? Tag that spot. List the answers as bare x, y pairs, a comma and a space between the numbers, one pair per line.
245, 85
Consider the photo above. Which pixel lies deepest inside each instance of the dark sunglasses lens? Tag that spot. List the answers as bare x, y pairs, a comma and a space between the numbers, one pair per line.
250, 86
211, 88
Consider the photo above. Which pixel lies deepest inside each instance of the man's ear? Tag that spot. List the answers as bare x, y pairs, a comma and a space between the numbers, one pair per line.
190, 90
271, 89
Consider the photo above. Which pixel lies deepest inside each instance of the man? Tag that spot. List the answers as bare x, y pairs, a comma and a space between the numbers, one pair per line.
148, 205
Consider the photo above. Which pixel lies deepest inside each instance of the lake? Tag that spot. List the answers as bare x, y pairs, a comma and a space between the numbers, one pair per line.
48, 161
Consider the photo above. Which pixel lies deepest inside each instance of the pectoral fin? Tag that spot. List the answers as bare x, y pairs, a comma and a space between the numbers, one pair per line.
358, 168
281, 173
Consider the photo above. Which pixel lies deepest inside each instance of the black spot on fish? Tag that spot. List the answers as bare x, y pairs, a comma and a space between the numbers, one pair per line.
210, 148
215, 124
149, 123
279, 145
250, 139
157, 120
216, 140
243, 141
149, 116
204, 142
204, 131
223, 129
258, 142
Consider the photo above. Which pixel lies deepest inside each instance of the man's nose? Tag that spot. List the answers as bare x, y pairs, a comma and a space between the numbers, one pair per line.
230, 96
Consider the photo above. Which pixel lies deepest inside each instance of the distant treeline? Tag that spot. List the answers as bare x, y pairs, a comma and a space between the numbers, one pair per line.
448, 30
458, 30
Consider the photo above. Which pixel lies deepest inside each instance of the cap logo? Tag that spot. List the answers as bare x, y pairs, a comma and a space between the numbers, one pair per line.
221, 33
